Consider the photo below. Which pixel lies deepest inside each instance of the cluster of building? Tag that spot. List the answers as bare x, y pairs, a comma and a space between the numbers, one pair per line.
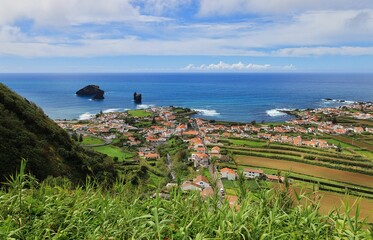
250, 173
102, 125
201, 133
297, 141
355, 110
202, 184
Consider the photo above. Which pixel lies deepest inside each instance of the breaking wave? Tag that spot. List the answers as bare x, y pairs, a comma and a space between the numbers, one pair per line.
330, 100
207, 112
144, 106
111, 110
277, 112
86, 116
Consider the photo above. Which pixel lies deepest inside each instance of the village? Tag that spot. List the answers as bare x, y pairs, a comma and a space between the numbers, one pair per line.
145, 129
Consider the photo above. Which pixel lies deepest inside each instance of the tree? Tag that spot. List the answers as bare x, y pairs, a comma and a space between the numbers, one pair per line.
81, 138
339, 148
334, 120
75, 136
242, 186
253, 122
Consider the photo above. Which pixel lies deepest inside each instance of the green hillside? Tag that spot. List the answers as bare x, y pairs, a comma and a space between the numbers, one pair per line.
27, 133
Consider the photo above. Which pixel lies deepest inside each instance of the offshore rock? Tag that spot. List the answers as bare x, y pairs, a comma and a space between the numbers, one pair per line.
91, 90
137, 97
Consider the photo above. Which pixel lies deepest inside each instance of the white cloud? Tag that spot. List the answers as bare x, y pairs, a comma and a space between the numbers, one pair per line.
309, 33
322, 51
10, 33
70, 12
230, 7
314, 28
222, 66
159, 7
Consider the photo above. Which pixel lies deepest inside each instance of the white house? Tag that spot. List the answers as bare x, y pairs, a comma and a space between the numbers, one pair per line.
215, 152
228, 173
190, 186
201, 181
200, 159
252, 173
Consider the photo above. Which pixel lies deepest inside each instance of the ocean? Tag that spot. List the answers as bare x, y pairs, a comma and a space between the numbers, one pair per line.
240, 97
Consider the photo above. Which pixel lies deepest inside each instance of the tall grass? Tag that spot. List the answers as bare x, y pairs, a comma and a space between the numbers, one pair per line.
56, 210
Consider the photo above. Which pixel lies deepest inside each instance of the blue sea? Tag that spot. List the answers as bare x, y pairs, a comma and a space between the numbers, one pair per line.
221, 96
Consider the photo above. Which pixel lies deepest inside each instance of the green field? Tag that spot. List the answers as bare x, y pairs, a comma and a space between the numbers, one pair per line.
247, 143
89, 140
139, 113
113, 151
231, 187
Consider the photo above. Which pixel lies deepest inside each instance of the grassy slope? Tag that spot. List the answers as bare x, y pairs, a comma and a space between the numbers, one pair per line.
26, 132
113, 151
89, 140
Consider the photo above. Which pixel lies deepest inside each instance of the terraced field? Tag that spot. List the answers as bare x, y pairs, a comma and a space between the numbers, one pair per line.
333, 201
353, 142
356, 160
307, 169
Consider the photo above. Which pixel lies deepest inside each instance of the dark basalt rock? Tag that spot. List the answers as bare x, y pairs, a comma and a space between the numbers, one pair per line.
99, 96
91, 90
137, 97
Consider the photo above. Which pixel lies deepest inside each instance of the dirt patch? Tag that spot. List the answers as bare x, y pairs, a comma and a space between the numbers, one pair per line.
333, 201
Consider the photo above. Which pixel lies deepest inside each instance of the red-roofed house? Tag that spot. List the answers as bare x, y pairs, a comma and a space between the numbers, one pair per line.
207, 192
232, 200
201, 181
151, 156
228, 173
187, 186
358, 129
297, 141
190, 133
275, 178
215, 152
252, 173
200, 159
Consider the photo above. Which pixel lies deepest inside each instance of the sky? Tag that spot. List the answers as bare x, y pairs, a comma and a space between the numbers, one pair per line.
186, 36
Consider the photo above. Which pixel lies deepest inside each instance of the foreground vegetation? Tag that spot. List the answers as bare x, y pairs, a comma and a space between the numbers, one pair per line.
54, 209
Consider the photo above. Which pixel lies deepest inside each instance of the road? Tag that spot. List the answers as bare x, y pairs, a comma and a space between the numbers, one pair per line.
216, 177
169, 164
212, 167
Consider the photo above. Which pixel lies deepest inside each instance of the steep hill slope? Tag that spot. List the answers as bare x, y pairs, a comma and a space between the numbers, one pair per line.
27, 133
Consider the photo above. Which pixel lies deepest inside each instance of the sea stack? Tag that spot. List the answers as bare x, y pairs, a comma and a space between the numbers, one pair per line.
91, 90
137, 97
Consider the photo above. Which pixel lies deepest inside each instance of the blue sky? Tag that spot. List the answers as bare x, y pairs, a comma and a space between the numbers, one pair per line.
186, 36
